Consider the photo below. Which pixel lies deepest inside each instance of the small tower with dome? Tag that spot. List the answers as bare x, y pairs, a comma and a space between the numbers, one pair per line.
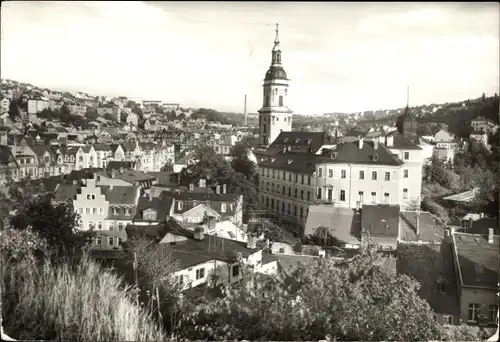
274, 116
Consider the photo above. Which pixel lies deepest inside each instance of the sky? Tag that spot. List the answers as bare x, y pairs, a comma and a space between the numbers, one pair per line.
340, 57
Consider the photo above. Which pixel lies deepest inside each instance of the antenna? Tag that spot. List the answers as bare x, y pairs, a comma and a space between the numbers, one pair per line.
245, 109
408, 96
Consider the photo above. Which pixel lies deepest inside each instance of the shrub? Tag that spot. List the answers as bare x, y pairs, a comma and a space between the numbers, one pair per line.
82, 303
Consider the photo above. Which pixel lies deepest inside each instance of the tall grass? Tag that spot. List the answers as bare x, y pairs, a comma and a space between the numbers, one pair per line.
81, 303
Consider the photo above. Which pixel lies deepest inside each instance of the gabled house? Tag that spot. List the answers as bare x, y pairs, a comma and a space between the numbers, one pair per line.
153, 210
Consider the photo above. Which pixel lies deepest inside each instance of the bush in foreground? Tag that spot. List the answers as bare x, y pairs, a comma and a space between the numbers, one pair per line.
87, 302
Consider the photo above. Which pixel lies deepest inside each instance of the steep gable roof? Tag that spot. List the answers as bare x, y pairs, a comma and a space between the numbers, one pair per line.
477, 260
120, 194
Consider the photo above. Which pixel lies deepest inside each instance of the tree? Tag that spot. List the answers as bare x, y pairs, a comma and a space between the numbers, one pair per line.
137, 110
271, 231
55, 222
352, 300
14, 111
240, 162
91, 114
181, 116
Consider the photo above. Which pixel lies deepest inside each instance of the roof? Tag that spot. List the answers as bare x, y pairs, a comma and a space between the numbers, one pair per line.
380, 220
101, 147
477, 259
300, 141
161, 205
482, 226
268, 258
192, 252
191, 200
292, 161
403, 142
116, 165
170, 179
275, 73
466, 196
120, 194
66, 192
6, 155
349, 152
431, 228
345, 223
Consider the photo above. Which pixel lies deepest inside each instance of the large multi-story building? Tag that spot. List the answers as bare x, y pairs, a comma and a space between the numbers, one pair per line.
299, 169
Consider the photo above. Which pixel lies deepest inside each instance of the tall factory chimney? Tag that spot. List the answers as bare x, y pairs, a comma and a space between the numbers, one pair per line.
245, 109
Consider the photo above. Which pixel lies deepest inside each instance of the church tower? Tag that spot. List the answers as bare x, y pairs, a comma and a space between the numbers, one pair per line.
274, 116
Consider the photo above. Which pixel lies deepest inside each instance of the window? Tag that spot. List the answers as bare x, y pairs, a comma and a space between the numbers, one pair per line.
115, 211
387, 176
405, 173
236, 270
302, 180
308, 180
405, 193
295, 210
301, 194
289, 176
267, 101
180, 279
296, 192
94, 211
110, 241
120, 226
441, 287
87, 210
301, 212
330, 173
281, 101
284, 190
473, 311
91, 225
281, 250
361, 195
296, 178
99, 225
120, 241
342, 195
264, 128
374, 175
361, 174
88, 197
450, 320
200, 273
407, 155
98, 241
308, 195
223, 207
290, 191
101, 210
289, 208
283, 207
342, 174
319, 193
80, 210
374, 197
493, 313
128, 211
386, 197
320, 172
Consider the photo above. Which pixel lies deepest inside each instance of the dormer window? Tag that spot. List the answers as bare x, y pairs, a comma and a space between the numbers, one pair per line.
179, 205
290, 161
333, 155
285, 140
375, 157
288, 148
223, 207
128, 211
309, 141
272, 160
115, 210
297, 140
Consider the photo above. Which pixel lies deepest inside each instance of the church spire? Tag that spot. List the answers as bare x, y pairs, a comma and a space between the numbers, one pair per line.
277, 38
276, 59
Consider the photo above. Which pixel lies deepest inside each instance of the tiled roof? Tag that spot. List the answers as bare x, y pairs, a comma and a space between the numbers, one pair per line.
191, 200
79, 175
477, 259
349, 152
431, 228
116, 165
66, 192
301, 141
345, 223
161, 205
380, 220
292, 161
101, 147
166, 178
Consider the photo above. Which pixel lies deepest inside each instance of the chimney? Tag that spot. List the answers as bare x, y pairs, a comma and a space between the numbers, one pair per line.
199, 233
418, 224
113, 173
360, 143
224, 188
211, 223
217, 189
252, 242
375, 144
202, 183
150, 195
490, 235
191, 187
111, 187
389, 140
